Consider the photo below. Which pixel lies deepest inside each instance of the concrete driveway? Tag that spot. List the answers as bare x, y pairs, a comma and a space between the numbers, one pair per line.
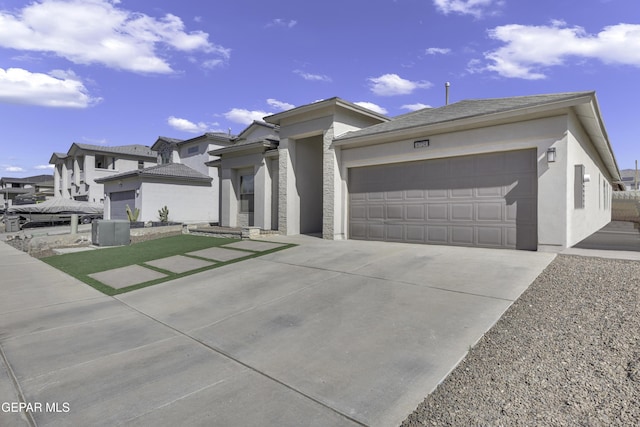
326, 333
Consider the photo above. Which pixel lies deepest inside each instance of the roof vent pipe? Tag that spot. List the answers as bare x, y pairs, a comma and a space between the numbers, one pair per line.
446, 89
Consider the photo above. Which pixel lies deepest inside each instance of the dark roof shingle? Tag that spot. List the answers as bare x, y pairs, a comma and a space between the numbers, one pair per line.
460, 110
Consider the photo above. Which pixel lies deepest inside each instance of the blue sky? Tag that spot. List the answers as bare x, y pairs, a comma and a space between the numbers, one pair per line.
114, 72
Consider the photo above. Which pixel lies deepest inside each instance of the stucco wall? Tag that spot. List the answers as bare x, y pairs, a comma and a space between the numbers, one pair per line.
539, 134
186, 202
597, 193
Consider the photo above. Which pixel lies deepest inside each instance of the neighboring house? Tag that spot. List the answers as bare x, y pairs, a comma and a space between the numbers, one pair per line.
76, 172
630, 179
182, 181
10, 188
185, 191
531, 172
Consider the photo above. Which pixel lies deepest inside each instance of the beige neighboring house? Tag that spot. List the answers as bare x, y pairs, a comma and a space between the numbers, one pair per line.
181, 180
531, 172
77, 172
10, 188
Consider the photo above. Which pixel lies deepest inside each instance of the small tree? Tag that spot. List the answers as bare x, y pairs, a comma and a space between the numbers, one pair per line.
132, 215
164, 214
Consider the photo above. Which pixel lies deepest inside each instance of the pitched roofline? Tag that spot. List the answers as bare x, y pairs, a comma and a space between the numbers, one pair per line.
109, 150
335, 101
470, 120
144, 173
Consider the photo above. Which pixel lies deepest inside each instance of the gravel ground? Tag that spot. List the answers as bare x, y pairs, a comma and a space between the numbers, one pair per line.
566, 353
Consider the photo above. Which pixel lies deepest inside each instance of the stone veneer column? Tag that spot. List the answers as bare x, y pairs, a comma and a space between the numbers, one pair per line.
283, 171
329, 170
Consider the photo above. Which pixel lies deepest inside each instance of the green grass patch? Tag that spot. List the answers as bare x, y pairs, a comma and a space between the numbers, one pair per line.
81, 264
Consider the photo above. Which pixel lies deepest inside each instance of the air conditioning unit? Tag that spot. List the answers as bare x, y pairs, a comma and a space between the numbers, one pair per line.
110, 232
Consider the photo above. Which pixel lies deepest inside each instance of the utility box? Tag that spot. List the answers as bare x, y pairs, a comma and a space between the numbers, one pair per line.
11, 224
110, 232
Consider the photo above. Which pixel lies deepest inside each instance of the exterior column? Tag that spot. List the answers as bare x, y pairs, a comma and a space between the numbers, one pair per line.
57, 191
64, 188
228, 211
288, 197
331, 204
262, 196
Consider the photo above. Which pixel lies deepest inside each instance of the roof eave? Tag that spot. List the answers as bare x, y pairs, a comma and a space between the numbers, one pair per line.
542, 110
335, 102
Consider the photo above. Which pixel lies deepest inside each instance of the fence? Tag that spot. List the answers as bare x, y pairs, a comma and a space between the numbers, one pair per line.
626, 206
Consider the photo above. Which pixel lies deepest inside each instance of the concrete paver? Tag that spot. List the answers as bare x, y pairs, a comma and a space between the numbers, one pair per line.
219, 254
123, 277
253, 245
179, 264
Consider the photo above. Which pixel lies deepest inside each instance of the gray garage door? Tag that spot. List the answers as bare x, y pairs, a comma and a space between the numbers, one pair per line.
119, 202
487, 200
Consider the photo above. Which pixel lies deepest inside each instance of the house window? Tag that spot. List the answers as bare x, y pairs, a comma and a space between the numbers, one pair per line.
246, 193
192, 150
104, 162
140, 164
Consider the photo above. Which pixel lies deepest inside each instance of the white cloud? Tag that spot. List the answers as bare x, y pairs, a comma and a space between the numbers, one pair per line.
97, 31
373, 107
437, 50
245, 117
185, 125
282, 23
279, 104
415, 107
312, 77
44, 167
393, 84
14, 169
56, 89
528, 50
476, 8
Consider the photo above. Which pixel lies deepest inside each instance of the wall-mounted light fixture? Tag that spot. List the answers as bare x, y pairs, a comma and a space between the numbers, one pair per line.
137, 192
551, 155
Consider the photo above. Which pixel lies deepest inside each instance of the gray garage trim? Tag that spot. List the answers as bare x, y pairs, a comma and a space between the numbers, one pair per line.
119, 202
487, 200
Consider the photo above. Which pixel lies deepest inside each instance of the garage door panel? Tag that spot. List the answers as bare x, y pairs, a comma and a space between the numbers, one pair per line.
437, 212
394, 195
524, 211
437, 193
118, 202
437, 170
415, 213
489, 236
375, 212
395, 232
462, 235
395, 212
521, 161
437, 234
489, 212
414, 194
462, 212
375, 231
485, 200
416, 233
